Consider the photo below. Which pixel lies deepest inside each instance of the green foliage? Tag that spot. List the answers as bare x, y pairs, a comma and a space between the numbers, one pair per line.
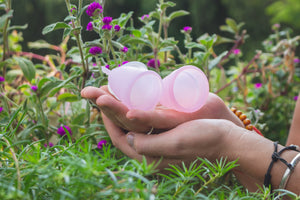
42, 97
285, 12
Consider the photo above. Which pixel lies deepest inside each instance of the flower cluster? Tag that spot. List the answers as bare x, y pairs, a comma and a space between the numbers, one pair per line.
101, 144
187, 29
151, 63
95, 50
62, 130
94, 9
2, 79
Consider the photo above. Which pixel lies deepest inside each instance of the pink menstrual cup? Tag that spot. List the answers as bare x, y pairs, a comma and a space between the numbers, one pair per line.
135, 85
185, 89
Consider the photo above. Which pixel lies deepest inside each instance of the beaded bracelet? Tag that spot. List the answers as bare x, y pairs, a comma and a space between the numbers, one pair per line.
245, 120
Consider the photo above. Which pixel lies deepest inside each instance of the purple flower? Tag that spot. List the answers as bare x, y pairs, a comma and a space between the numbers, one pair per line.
151, 63
107, 27
107, 66
275, 27
258, 85
1, 109
117, 28
236, 51
34, 88
2, 79
295, 98
89, 26
95, 50
107, 20
124, 49
61, 130
50, 145
296, 60
144, 16
101, 144
123, 63
94, 9
187, 29
73, 10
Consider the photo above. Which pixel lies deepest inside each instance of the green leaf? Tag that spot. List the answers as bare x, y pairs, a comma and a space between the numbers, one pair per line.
191, 45
232, 24
4, 17
123, 19
176, 14
167, 4
68, 97
216, 60
136, 33
54, 26
42, 82
27, 67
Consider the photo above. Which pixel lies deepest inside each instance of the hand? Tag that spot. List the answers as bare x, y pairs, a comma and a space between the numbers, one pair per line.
160, 118
205, 138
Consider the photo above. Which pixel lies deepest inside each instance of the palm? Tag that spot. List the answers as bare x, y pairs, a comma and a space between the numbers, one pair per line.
160, 118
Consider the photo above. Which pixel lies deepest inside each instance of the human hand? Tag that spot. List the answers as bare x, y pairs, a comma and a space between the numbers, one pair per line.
161, 118
205, 138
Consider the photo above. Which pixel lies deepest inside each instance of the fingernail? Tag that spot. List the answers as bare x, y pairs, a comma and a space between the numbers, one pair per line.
130, 139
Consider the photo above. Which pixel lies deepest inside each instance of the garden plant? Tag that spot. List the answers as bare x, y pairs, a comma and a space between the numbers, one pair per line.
53, 144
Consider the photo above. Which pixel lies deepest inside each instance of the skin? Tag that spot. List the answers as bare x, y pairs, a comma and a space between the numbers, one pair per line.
212, 132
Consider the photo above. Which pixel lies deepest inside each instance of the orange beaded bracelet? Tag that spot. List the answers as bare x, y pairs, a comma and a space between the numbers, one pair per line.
245, 120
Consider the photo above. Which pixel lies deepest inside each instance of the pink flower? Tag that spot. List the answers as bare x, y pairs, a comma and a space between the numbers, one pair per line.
124, 49
145, 16
296, 60
101, 144
94, 9
34, 88
61, 130
1, 109
236, 51
2, 79
258, 85
50, 145
117, 28
295, 98
89, 26
107, 20
187, 29
95, 50
107, 66
151, 63
107, 27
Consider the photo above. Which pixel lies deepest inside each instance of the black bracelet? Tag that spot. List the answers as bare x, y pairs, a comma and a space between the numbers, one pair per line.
275, 157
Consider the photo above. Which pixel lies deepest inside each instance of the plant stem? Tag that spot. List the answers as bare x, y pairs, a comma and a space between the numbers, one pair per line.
244, 71
16, 162
112, 51
79, 42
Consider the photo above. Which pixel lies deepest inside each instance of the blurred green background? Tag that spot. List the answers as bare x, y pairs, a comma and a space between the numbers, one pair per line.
206, 16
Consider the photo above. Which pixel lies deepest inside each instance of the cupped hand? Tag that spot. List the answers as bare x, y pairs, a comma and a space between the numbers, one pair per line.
205, 138
160, 118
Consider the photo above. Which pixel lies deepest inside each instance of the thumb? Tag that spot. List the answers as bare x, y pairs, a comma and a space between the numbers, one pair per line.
164, 144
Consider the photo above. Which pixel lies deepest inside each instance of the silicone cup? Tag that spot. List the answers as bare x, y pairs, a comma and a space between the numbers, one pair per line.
135, 86
185, 89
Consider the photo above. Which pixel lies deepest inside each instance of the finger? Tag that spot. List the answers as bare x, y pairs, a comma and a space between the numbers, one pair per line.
116, 111
92, 92
118, 138
166, 144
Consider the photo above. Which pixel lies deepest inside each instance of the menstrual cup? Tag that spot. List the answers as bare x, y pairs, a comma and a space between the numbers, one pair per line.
135, 85
185, 89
